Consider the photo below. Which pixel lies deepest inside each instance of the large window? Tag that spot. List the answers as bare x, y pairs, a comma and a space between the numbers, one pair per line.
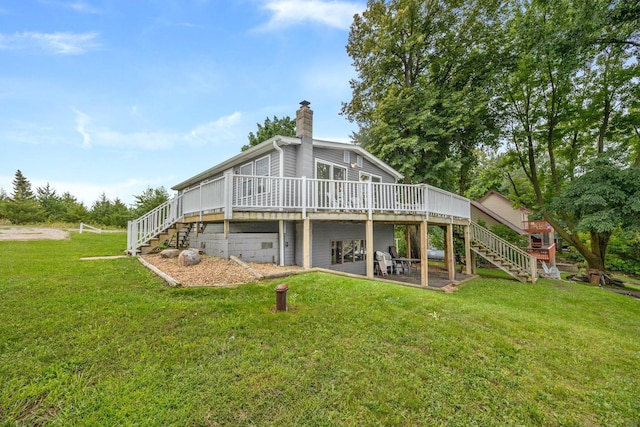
330, 193
346, 251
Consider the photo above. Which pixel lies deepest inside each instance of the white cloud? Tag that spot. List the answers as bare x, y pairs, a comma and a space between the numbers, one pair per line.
221, 131
82, 7
216, 132
82, 120
287, 13
77, 6
59, 43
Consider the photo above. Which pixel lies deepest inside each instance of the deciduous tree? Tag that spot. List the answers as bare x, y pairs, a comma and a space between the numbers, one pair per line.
567, 94
285, 126
422, 96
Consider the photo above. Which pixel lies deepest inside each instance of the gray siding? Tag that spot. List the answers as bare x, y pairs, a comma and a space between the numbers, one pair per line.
290, 160
323, 233
289, 243
353, 174
274, 161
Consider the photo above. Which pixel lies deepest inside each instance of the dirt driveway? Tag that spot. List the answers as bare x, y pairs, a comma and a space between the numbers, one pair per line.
11, 232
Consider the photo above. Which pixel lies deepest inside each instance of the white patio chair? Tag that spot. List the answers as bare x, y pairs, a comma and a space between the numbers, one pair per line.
385, 263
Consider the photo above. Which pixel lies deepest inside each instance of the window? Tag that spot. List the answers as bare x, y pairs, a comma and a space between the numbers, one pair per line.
251, 185
247, 183
347, 251
330, 171
346, 156
359, 160
330, 193
365, 177
263, 168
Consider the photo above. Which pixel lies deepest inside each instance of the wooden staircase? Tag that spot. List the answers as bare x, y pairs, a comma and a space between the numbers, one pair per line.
504, 255
174, 237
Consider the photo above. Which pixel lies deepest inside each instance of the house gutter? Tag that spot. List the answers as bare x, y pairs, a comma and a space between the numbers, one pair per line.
281, 228
281, 166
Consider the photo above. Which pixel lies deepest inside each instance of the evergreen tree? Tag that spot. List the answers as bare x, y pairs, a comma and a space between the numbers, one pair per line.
148, 200
101, 209
74, 211
22, 207
119, 215
21, 188
50, 202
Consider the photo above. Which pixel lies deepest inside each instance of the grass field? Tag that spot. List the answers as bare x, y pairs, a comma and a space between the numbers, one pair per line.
107, 343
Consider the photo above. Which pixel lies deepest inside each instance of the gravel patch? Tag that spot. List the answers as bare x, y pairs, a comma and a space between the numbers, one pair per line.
32, 233
214, 272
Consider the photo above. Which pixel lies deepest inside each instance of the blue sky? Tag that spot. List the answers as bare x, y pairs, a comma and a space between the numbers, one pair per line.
114, 96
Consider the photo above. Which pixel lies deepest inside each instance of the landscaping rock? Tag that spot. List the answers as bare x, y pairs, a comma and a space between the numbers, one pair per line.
170, 253
188, 257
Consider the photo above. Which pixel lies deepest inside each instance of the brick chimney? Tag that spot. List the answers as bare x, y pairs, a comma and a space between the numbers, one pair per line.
304, 131
304, 120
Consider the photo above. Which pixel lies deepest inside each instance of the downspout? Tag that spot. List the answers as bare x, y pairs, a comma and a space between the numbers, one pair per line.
281, 227
281, 166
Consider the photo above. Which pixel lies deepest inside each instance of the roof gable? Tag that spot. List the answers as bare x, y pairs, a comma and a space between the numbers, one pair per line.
240, 158
268, 145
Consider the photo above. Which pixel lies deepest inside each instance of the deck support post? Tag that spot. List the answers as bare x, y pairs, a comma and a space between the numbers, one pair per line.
424, 261
407, 238
281, 241
369, 247
306, 243
467, 250
225, 228
449, 256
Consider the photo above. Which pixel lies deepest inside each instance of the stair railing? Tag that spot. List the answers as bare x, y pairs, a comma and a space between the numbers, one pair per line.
148, 226
504, 250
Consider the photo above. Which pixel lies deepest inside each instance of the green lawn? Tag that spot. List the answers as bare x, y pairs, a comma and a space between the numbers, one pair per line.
107, 343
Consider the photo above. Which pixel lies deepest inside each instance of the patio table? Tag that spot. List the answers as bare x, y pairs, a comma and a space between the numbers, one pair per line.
406, 263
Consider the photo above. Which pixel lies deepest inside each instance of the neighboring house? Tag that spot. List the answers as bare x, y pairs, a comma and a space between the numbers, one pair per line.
494, 208
306, 202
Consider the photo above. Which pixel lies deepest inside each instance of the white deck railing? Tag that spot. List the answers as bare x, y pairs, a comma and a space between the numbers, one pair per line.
148, 226
231, 193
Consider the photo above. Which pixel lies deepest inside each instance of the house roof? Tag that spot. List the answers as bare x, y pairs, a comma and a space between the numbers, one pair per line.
267, 145
496, 217
240, 158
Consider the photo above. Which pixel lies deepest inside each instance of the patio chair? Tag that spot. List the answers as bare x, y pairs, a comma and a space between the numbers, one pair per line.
398, 265
384, 262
